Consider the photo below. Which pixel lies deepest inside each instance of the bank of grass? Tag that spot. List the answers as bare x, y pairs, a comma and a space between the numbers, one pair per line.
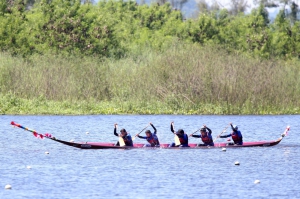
40, 106
185, 79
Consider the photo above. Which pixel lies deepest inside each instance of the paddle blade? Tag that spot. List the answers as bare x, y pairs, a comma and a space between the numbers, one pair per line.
121, 141
177, 141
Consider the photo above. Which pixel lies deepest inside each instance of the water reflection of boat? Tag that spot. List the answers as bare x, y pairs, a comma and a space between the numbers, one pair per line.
103, 145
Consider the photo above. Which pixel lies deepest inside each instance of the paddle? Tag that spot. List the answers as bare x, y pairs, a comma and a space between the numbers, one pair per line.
35, 134
221, 133
140, 132
194, 132
176, 138
121, 142
177, 141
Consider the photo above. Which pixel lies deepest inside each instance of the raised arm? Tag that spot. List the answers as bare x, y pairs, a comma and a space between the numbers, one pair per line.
209, 130
172, 127
232, 127
115, 130
153, 128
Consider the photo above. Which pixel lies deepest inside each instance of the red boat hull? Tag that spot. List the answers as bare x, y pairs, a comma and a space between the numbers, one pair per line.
103, 145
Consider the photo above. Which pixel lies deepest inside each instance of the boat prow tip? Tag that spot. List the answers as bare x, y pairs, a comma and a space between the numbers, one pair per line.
285, 132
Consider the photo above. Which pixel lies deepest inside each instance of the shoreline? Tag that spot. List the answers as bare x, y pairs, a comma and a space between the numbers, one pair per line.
34, 107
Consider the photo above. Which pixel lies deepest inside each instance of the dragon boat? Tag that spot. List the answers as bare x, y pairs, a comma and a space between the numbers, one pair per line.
103, 145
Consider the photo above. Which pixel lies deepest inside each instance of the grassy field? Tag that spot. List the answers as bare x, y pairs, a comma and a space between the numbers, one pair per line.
185, 79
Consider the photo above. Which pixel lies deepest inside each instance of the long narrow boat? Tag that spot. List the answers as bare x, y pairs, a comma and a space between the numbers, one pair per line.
103, 145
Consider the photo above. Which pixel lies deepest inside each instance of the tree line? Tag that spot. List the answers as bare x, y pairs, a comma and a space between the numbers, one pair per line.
116, 29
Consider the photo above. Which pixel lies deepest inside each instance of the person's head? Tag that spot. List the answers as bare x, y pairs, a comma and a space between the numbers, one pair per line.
180, 131
123, 132
203, 130
235, 127
148, 133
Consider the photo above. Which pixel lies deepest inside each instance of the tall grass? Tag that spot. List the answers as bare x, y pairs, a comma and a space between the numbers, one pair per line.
184, 79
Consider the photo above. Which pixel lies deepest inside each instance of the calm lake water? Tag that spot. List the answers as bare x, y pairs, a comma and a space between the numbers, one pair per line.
68, 172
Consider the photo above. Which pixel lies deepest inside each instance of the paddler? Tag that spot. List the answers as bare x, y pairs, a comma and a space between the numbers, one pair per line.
123, 134
236, 135
183, 137
150, 137
205, 135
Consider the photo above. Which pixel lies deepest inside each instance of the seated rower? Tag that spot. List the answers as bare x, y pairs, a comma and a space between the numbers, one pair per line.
236, 135
183, 138
205, 136
150, 137
123, 134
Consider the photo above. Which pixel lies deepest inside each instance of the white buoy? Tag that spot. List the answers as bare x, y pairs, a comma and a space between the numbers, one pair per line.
28, 167
256, 182
71, 140
87, 132
47, 152
8, 186
223, 149
237, 163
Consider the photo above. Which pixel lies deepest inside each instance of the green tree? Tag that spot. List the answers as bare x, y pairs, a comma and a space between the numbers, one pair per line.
291, 13
203, 7
286, 38
13, 36
294, 11
238, 6
176, 4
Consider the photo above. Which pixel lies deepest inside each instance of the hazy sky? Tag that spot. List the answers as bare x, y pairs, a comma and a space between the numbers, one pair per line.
188, 10
226, 3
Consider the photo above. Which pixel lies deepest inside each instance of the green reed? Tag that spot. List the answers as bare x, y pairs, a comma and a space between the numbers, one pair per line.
184, 79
